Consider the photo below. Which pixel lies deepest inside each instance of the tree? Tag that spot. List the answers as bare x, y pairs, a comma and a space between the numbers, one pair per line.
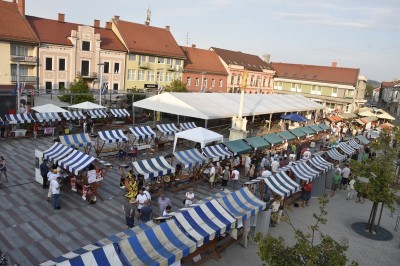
176, 86
369, 91
380, 172
306, 250
78, 91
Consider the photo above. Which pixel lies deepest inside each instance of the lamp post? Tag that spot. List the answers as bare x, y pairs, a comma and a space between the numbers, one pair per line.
101, 65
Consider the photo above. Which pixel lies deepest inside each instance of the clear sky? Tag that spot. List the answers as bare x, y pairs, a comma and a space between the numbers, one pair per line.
361, 34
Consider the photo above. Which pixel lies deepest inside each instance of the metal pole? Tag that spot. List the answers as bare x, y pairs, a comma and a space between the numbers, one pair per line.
133, 109
101, 82
270, 121
18, 93
205, 123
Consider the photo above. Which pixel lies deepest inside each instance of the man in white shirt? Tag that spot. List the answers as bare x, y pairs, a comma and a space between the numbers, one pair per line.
212, 175
51, 175
266, 173
55, 192
247, 164
235, 177
275, 165
307, 154
345, 176
141, 198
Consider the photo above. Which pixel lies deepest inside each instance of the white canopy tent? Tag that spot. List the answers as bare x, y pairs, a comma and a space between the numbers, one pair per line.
86, 106
200, 135
49, 108
225, 105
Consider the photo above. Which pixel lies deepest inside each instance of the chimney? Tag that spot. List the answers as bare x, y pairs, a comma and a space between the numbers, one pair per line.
193, 45
334, 63
61, 17
96, 23
21, 7
108, 25
167, 28
267, 58
116, 17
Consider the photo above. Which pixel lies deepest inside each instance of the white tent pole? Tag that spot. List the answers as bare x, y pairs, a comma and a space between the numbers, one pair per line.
205, 123
178, 119
241, 104
270, 121
175, 141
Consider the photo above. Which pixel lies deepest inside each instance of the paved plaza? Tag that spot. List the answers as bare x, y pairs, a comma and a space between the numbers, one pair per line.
32, 232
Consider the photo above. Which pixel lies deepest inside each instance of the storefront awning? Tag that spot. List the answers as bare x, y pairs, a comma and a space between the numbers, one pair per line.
190, 158
363, 139
257, 142
186, 126
273, 138
120, 113
153, 167
319, 163
217, 152
346, 148
20, 118
324, 126
368, 119
76, 161
308, 130
238, 147
305, 172
348, 115
98, 113
111, 136
47, 117
74, 115
286, 135
316, 128
335, 155
282, 184
354, 144
334, 119
76, 140
298, 133
168, 129
142, 132
57, 152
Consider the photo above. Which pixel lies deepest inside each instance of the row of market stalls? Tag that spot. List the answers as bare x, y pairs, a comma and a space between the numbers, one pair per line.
185, 234
364, 117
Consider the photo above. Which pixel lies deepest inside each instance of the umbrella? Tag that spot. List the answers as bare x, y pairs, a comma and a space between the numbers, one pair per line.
294, 117
86, 106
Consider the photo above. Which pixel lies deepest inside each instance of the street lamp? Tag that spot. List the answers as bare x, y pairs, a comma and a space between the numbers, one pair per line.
101, 65
18, 59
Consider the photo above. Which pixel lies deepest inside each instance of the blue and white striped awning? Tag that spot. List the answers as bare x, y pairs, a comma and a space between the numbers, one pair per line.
56, 152
217, 152
111, 136
168, 129
74, 115
120, 112
76, 161
188, 125
219, 194
319, 163
335, 155
205, 221
153, 167
242, 204
190, 158
142, 132
161, 245
285, 168
20, 119
282, 184
47, 117
354, 144
97, 113
76, 140
346, 148
305, 172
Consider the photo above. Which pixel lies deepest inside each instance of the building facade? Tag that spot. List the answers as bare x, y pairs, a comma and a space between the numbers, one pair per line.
260, 74
203, 71
154, 58
334, 87
389, 97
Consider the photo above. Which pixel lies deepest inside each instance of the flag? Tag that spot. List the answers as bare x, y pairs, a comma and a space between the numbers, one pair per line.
160, 89
244, 79
104, 87
203, 89
15, 91
22, 88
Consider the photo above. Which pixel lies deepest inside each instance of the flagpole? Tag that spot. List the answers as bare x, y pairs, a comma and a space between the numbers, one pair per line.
101, 80
18, 92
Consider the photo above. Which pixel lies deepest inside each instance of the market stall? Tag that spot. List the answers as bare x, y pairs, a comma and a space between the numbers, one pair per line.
316, 128
217, 152
199, 135
352, 143
56, 152
286, 135
97, 113
335, 155
73, 115
238, 147
324, 127
281, 184
109, 141
119, 113
308, 130
304, 172
258, 143
142, 134
165, 131
273, 138
77, 140
298, 133
188, 125
363, 139
346, 148
320, 184
20, 118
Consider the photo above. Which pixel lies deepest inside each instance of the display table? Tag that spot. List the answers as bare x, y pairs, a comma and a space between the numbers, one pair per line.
19, 133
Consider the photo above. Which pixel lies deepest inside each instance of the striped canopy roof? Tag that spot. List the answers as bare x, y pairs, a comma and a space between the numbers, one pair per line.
111, 136
188, 125
47, 117
97, 113
153, 167
76, 140
190, 158
168, 129
334, 154
217, 152
163, 244
305, 172
354, 144
346, 148
20, 118
319, 163
282, 184
142, 132
74, 115
119, 112
205, 221
76, 161
56, 152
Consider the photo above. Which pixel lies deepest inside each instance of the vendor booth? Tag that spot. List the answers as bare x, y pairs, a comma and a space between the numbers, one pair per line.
167, 129
238, 147
316, 128
20, 118
286, 135
199, 135
354, 144
335, 155
47, 117
74, 115
188, 125
273, 138
119, 113
281, 184
324, 167
97, 113
77, 140
346, 148
308, 130
298, 133
109, 141
304, 172
258, 143
217, 152
363, 139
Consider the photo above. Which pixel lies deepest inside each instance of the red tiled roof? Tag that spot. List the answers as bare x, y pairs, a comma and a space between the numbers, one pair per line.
55, 32
338, 75
200, 60
143, 39
248, 61
388, 84
13, 26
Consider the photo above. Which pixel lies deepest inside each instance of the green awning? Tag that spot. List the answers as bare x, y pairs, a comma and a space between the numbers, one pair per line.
307, 130
363, 139
287, 135
298, 133
316, 128
238, 146
273, 138
257, 142
324, 127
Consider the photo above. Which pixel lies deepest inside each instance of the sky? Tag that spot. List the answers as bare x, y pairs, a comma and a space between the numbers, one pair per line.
362, 34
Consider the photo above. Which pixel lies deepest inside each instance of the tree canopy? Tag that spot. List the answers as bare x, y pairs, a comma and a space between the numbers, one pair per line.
78, 91
369, 90
176, 86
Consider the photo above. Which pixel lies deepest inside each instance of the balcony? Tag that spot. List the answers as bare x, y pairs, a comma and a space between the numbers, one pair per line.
24, 58
29, 79
171, 68
144, 64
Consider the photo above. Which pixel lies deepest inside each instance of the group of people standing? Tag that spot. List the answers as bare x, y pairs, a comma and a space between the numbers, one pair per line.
51, 181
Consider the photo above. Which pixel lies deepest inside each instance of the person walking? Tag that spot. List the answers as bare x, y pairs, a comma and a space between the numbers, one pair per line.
247, 164
163, 202
44, 169
336, 179
55, 191
350, 188
189, 197
235, 177
212, 176
3, 168
307, 187
129, 210
147, 212
345, 176
141, 198
225, 177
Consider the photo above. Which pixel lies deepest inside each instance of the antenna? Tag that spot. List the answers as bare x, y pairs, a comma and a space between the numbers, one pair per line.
187, 39
148, 18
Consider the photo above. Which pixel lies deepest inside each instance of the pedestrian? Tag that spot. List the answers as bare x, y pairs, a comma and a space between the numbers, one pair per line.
336, 179
163, 202
345, 176
307, 187
235, 177
2, 130
167, 210
307, 154
35, 129
44, 169
189, 197
55, 191
212, 175
3, 259
146, 213
247, 164
252, 172
3, 168
52, 175
350, 188
225, 177
275, 210
141, 198
129, 210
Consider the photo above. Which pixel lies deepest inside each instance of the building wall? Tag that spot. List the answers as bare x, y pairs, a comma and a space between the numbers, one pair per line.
113, 77
189, 78
5, 69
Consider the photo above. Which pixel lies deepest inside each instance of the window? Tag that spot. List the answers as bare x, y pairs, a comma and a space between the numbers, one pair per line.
49, 87
177, 76
106, 67
296, 87
161, 60
23, 70
160, 76
140, 75
19, 50
316, 90
251, 80
349, 93
142, 58
49, 63
115, 86
278, 85
178, 62
85, 68
132, 57
61, 64
61, 85
150, 75
196, 82
263, 84
116, 68
152, 59
188, 81
205, 82
232, 79
169, 61
168, 76
131, 74
220, 83
85, 46
238, 80
334, 92
213, 83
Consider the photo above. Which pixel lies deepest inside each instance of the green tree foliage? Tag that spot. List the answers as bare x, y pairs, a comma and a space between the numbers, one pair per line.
176, 86
136, 94
380, 172
78, 91
306, 251
369, 91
